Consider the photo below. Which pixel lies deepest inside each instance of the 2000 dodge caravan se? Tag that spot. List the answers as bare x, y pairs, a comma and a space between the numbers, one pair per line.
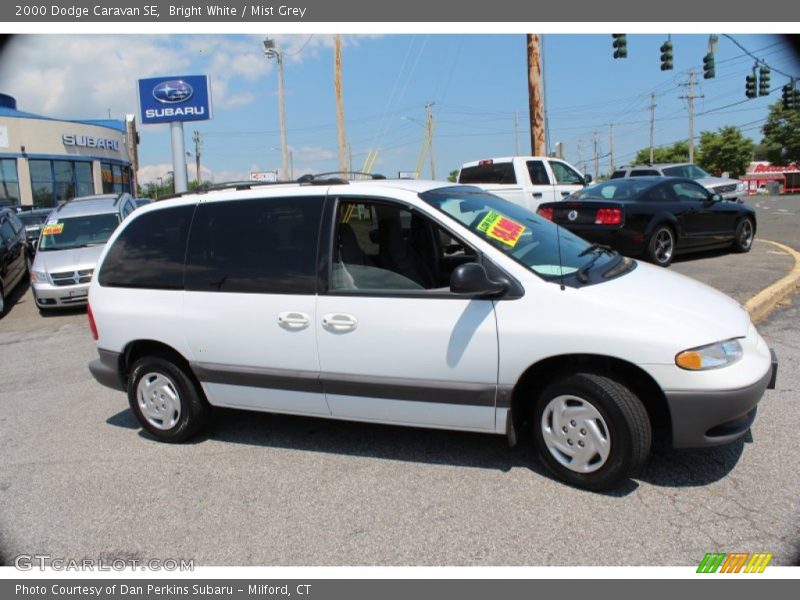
423, 304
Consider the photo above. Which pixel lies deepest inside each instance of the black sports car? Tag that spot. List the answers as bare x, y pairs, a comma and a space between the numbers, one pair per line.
654, 217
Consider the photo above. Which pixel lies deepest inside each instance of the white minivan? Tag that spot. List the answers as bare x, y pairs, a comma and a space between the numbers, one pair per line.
421, 304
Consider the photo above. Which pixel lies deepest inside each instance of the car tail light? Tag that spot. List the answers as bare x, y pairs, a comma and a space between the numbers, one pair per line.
92, 325
547, 213
608, 216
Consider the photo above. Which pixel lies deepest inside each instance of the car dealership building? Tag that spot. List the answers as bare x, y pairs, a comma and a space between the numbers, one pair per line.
44, 161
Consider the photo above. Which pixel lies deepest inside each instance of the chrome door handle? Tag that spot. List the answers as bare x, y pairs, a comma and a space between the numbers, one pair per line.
339, 322
293, 320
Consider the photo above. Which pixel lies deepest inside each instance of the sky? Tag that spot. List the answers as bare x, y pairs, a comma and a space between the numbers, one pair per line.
477, 84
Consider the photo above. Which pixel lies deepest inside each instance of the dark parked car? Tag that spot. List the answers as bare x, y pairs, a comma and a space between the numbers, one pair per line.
654, 217
33, 221
13, 254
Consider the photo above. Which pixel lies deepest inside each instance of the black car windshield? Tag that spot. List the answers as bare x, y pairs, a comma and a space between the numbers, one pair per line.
614, 189
532, 241
76, 232
688, 171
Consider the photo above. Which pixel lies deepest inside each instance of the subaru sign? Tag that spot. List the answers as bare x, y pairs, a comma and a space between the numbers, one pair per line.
175, 98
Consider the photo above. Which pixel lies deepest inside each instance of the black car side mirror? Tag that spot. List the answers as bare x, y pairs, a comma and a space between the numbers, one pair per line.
587, 179
470, 279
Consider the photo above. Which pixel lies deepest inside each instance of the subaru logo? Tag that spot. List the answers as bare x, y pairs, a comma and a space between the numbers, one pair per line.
572, 215
173, 91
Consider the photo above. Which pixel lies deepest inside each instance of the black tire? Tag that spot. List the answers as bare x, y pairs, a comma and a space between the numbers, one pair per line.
624, 421
661, 246
744, 235
193, 409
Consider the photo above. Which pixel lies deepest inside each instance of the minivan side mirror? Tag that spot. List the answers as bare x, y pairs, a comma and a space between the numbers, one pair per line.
587, 179
470, 279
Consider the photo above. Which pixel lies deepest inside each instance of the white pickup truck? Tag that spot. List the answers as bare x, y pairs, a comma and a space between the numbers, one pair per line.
524, 180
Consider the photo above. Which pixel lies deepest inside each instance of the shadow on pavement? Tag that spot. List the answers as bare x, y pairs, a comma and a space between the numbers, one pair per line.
668, 467
408, 444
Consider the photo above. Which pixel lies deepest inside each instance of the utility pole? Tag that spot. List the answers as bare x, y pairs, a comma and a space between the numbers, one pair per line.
596, 169
691, 98
652, 108
337, 85
197, 143
611, 144
580, 155
535, 96
272, 52
516, 133
429, 130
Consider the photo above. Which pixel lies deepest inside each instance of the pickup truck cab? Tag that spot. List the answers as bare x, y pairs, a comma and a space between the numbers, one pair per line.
524, 180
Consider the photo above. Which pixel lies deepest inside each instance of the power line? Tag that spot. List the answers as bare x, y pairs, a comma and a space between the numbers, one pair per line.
757, 59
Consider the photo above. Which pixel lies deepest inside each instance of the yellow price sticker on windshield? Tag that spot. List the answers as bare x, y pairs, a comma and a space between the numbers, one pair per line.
53, 229
501, 228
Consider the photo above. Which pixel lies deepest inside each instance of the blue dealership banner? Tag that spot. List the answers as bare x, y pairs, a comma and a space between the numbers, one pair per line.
174, 98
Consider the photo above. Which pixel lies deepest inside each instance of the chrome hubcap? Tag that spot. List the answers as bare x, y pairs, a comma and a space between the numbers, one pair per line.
159, 401
575, 434
663, 246
746, 237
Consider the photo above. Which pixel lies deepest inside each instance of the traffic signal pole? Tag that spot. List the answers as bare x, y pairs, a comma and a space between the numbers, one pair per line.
535, 96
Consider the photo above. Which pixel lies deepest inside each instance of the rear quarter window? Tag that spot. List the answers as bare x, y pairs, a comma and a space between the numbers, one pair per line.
150, 251
488, 173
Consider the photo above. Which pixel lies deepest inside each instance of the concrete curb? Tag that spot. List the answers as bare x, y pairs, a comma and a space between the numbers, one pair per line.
764, 302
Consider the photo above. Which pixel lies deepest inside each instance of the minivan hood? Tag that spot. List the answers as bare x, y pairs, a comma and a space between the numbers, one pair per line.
657, 302
75, 259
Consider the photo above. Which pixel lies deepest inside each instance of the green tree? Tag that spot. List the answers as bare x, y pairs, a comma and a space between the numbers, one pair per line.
725, 150
453, 176
782, 135
678, 152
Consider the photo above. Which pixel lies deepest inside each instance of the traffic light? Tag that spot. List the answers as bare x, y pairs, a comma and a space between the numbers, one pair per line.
708, 66
750, 86
620, 45
763, 81
666, 56
787, 96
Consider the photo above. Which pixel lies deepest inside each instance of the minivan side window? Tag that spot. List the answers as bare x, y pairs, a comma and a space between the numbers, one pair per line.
257, 246
385, 248
149, 252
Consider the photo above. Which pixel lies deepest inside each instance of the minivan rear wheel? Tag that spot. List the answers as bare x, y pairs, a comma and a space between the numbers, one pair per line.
591, 430
165, 400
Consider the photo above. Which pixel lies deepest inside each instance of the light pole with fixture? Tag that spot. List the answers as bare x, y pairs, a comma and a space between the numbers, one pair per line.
270, 51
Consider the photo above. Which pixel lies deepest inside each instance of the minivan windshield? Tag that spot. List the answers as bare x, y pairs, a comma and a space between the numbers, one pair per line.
77, 232
539, 245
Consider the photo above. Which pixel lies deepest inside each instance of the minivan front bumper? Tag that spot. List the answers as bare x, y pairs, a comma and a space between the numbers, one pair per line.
60, 296
707, 418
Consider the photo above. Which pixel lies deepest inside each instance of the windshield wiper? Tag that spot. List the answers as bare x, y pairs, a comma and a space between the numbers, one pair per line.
598, 250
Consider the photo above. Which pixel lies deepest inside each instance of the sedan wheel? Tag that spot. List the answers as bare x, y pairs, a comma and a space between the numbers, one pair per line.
744, 236
661, 247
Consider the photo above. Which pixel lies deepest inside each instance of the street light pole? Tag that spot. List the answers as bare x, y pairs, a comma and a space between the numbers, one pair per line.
271, 52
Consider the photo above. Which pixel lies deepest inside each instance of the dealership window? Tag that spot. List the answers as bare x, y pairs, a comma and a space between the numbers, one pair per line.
9, 183
116, 178
56, 181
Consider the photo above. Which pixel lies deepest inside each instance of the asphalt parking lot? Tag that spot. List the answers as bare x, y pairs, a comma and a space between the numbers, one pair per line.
79, 479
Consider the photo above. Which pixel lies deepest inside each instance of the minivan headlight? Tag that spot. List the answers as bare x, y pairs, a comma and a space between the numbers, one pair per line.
713, 356
39, 277
740, 186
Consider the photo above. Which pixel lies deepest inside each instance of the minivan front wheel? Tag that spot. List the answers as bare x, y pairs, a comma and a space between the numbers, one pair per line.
165, 400
591, 431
